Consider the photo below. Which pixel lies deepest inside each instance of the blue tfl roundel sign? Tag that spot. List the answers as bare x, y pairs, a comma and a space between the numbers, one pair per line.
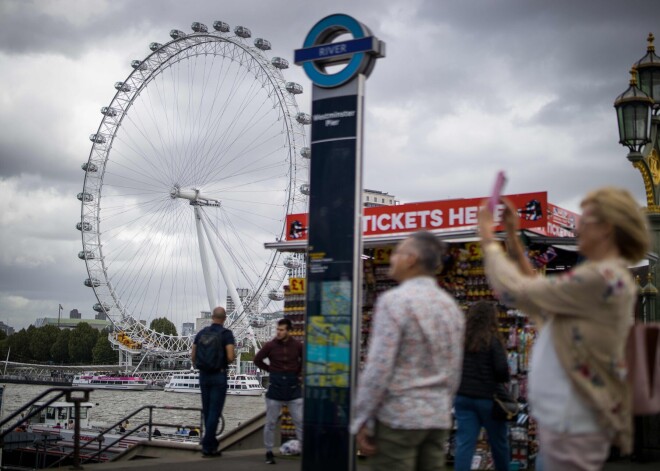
319, 51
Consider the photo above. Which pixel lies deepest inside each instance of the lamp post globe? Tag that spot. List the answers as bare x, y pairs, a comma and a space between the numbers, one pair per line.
633, 113
648, 74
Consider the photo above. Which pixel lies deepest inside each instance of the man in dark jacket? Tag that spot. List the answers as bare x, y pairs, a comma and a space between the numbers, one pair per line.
284, 354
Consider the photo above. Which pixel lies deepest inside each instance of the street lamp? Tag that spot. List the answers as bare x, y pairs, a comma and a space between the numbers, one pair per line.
638, 117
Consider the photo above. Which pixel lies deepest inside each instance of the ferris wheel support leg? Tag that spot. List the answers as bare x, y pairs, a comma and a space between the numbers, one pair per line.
228, 281
205, 260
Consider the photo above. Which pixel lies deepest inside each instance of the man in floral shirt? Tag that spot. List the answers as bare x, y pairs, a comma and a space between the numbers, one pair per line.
403, 409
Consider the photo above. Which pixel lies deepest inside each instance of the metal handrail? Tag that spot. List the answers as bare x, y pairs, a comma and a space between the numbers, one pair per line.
150, 423
69, 394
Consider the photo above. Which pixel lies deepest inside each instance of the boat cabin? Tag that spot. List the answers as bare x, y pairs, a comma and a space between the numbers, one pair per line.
60, 413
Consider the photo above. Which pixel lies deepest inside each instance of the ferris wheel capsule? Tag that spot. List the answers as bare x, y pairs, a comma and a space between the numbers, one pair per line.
176, 34
198, 27
279, 63
138, 65
98, 307
92, 282
292, 262
221, 26
258, 322
304, 189
86, 197
110, 112
243, 32
84, 226
262, 44
89, 167
97, 138
304, 118
276, 295
122, 87
294, 88
306, 153
155, 46
86, 255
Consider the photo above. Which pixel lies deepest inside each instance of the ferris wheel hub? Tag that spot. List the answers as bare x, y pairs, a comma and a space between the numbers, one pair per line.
193, 195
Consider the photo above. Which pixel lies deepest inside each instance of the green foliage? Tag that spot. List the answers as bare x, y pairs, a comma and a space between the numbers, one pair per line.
59, 351
163, 325
41, 341
19, 346
102, 353
81, 342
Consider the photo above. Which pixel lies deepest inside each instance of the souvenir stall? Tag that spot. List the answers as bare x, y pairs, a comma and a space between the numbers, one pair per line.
547, 231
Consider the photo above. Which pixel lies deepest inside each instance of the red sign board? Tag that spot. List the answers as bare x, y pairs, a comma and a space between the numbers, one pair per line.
433, 215
561, 222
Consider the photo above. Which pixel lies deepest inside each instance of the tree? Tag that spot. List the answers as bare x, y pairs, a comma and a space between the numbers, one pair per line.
41, 341
163, 325
102, 353
59, 351
19, 345
81, 342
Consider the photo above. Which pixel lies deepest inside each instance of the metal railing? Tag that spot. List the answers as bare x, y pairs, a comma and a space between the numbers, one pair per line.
73, 395
78, 395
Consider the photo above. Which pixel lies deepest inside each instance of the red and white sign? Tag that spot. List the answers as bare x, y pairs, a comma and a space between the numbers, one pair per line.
433, 215
561, 222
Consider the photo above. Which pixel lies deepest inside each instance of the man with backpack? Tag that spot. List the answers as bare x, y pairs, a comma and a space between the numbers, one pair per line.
212, 351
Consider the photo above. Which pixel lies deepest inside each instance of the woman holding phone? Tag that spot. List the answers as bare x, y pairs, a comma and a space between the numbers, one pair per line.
578, 390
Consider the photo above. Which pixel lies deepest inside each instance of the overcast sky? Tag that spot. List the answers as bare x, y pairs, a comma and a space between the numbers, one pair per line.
468, 87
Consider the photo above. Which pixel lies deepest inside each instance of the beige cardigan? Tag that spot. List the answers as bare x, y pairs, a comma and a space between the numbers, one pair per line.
592, 306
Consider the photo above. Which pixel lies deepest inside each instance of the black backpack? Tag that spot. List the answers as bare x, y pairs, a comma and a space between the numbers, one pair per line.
210, 355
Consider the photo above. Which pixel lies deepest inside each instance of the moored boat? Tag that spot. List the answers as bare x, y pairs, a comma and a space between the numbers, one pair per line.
100, 381
237, 385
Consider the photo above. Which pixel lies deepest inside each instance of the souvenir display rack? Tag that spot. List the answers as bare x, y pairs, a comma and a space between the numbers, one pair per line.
462, 276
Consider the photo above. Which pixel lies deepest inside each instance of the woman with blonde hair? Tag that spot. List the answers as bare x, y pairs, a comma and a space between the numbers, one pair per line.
578, 390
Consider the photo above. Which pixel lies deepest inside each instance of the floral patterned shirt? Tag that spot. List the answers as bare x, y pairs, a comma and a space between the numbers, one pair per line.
591, 309
414, 361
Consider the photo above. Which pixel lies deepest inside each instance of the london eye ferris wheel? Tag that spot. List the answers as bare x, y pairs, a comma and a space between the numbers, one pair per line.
198, 158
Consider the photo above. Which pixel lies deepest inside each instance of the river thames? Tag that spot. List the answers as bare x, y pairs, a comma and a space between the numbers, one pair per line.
111, 406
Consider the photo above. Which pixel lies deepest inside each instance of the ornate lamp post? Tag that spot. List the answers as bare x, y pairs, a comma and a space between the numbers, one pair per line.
638, 116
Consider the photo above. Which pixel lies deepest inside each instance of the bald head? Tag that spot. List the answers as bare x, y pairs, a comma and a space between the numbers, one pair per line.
219, 315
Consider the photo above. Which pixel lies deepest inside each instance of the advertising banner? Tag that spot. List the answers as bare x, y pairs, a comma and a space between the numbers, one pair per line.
433, 215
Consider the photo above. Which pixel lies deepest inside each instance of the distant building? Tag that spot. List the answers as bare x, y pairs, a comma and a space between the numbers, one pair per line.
243, 294
372, 198
75, 314
203, 321
98, 324
6, 329
101, 316
187, 328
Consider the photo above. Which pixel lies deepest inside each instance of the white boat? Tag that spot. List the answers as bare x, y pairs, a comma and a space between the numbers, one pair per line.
237, 385
100, 381
56, 423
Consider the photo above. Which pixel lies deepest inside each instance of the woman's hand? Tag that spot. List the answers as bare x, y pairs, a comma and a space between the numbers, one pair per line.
511, 219
366, 444
485, 225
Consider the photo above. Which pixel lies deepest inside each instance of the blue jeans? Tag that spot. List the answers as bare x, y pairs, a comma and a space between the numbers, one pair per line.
472, 414
214, 390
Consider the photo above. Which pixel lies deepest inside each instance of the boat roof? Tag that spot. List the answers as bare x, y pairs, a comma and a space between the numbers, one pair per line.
64, 404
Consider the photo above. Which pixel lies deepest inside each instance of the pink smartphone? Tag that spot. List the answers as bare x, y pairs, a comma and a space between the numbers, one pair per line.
494, 199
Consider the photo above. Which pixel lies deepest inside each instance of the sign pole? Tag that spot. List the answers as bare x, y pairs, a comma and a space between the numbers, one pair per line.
332, 328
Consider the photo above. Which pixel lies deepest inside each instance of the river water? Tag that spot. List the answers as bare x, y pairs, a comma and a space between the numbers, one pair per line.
112, 406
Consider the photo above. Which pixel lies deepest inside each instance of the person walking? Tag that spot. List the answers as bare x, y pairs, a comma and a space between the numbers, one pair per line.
284, 354
402, 414
485, 368
212, 352
578, 391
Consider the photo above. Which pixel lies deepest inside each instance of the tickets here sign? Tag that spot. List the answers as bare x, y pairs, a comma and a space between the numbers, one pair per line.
433, 215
